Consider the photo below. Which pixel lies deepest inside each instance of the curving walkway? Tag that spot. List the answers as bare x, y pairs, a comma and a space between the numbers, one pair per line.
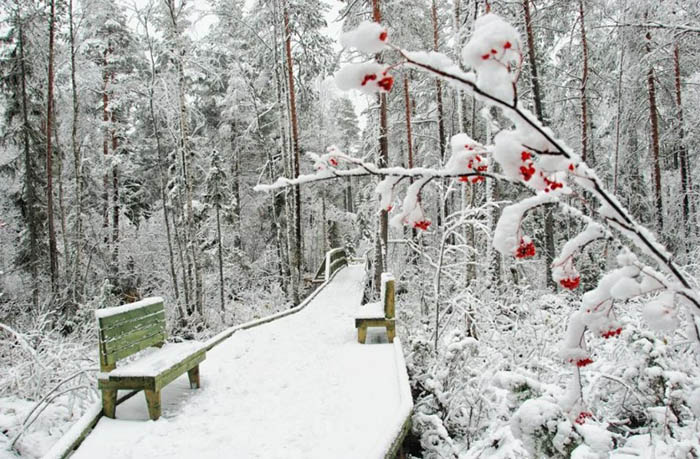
297, 387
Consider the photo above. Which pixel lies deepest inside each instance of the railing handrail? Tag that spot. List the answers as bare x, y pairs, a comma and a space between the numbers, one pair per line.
334, 262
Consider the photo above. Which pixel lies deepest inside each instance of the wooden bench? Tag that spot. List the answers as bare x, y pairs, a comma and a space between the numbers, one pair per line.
379, 314
128, 329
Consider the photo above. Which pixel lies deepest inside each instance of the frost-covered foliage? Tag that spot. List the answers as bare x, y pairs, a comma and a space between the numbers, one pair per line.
497, 390
556, 420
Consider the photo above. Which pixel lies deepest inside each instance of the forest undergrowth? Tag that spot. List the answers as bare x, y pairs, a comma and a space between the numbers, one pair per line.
490, 386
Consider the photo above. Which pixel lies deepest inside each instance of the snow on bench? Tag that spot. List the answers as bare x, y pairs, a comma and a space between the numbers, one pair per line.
108, 312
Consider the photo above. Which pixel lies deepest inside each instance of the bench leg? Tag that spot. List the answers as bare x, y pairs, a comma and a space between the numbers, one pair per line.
362, 333
109, 402
391, 331
193, 375
153, 402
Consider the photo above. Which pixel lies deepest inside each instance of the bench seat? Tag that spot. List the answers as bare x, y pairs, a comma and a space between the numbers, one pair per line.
156, 369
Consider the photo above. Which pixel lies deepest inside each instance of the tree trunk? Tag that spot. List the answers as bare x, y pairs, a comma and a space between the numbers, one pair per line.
61, 204
442, 204
653, 118
30, 196
295, 142
286, 236
618, 121
382, 245
193, 269
115, 201
53, 252
162, 176
584, 82
221, 257
682, 150
105, 147
235, 190
77, 288
539, 111
409, 135
438, 87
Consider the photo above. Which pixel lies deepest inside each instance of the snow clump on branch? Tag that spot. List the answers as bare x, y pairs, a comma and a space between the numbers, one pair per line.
367, 77
492, 48
368, 37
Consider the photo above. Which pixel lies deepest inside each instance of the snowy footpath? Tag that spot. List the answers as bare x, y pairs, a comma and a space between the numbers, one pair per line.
297, 387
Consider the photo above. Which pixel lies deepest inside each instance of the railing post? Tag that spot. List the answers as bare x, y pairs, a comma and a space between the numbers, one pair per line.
328, 264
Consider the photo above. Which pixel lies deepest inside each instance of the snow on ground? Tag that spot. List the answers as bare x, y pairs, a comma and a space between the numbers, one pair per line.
298, 387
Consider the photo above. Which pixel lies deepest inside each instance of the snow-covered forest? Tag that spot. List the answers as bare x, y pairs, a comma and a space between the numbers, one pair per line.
525, 169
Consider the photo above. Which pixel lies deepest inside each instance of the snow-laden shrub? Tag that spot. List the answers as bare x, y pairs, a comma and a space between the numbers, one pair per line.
543, 429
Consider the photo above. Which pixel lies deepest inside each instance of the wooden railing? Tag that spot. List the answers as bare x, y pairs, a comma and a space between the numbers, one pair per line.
335, 259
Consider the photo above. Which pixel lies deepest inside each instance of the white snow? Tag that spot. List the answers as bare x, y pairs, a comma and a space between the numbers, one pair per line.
370, 311
368, 37
74, 432
493, 44
158, 360
298, 387
661, 314
506, 236
367, 77
108, 312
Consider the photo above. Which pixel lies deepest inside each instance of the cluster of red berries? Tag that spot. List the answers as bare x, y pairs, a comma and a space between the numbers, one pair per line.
506, 45
421, 224
475, 164
571, 283
332, 161
581, 362
528, 167
552, 185
582, 416
383, 35
525, 249
611, 333
386, 83
368, 78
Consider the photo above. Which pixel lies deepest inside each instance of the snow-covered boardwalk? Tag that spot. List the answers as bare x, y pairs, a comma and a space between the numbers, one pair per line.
298, 387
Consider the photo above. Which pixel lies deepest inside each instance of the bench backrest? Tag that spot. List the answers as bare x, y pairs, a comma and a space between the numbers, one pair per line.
128, 329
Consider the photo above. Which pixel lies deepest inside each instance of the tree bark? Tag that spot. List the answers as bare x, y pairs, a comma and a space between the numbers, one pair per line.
53, 251
618, 121
77, 288
221, 257
382, 245
438, 86
442, 204
115, 200
30, 196
653, 118
584, 83
539, 111
682, 150
295, 141
285, 236
409, 135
